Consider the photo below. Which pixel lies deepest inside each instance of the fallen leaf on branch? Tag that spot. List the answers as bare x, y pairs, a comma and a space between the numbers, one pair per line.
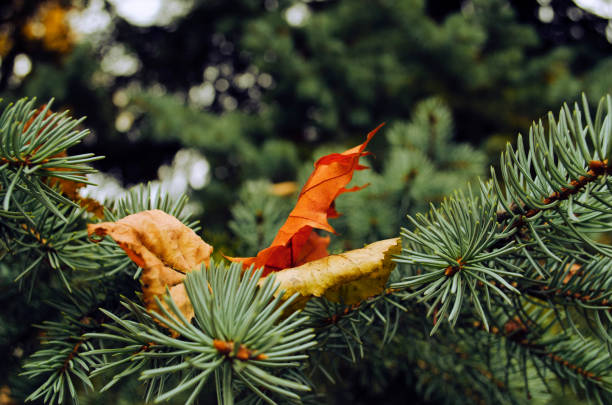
349, 277
296, 242
164, 248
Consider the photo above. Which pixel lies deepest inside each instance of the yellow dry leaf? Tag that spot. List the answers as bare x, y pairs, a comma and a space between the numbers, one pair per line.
283, 189
349, 277
164, 248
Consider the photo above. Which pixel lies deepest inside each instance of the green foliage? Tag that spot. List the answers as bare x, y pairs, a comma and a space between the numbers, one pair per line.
527, 305
421, 166
236, 322
60, 361
32, 153
500, 294
257, 216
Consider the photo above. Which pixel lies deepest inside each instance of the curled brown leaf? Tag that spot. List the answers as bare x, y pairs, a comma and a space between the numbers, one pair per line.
164, 248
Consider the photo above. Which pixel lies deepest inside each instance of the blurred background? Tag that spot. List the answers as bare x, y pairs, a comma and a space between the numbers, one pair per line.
230, 102
201, 95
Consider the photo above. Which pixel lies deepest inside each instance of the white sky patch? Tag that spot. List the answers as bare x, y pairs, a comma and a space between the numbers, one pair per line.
202, 95
121, 98
211, 73
124, 121
245, 80
145, 13
222, 85
189, 169
107, 188
546, 14
297, 14
22, 66
265, 80
229, 103
602, 8
198, 176
119, 62
138, 12
91, 20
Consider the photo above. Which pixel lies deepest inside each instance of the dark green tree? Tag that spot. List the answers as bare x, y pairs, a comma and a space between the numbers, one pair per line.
500, 292
261, 89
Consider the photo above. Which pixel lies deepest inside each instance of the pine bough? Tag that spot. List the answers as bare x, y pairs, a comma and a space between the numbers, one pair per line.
502, 293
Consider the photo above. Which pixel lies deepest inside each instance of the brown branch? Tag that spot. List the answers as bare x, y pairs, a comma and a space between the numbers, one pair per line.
517, 331
335, 318
144, 348
596, 168
544, 291
226, 348
452, 270
71, 355
573, 367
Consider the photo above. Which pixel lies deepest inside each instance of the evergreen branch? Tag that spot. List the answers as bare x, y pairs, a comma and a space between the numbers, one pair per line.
557, 177
130, 353
583, 364
33, 147
238, 336
465, 246
596, 170
524, 273
60, 363
452, 251
144, 198
257, 216
51, 242
341, 328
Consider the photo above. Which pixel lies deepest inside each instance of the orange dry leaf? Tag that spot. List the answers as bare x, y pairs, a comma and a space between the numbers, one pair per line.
164, 248
296, 242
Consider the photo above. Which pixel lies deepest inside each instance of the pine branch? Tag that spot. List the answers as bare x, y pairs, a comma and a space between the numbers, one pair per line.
32, 149
238, 336
60, 363
597, 169
523, 265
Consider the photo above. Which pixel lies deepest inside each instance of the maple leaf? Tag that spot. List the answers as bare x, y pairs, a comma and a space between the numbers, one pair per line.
164, 248
296, 242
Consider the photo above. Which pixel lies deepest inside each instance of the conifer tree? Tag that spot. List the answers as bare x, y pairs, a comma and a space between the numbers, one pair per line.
500, 291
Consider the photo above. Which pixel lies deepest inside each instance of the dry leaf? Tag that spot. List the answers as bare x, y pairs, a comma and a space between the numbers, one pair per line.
296, 242
349, 277
164, 248
283, 189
